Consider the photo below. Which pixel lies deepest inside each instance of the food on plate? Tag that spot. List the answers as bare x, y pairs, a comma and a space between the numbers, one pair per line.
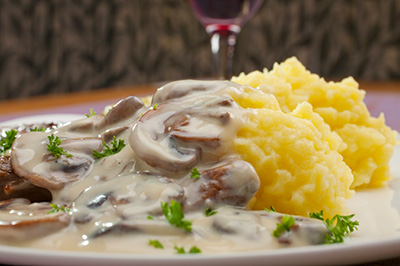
207, 166
368, 142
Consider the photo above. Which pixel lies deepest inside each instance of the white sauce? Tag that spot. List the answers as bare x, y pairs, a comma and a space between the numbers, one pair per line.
111, 198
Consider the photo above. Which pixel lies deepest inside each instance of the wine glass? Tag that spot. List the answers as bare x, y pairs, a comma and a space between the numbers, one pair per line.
223, 20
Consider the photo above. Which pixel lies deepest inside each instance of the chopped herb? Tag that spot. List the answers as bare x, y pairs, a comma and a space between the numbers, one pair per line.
180, 250
155, 243
155, 106
209, 212
8, 140
116, 147
92, 113
53, 147
339, 226
270, 210
286, 223
193, 250
37, 129
174, 215
317, 215
149, 217
57, 208
194, 173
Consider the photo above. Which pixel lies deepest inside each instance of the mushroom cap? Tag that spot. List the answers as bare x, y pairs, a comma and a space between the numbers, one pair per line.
31, 160
124, 110
122, 114
124, 200
182, 88
129, 195
176, 135
193, 122
21, 220
231, 182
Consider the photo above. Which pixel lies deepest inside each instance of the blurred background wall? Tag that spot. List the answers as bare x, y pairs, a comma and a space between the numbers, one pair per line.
56, 46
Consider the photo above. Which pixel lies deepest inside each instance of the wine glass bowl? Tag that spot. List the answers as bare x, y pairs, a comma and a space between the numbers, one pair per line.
223, 21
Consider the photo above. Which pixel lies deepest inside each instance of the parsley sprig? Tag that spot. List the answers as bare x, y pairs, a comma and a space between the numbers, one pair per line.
339, 226
36, 129
91, 113
117, 146
208, 212
286, 223
155, 243
194, 173
193, 250
53, 147
175, 215
180, 250
8, 140
57, 208
271, 209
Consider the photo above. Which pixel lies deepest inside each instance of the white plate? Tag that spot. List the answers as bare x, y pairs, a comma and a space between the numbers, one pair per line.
378, 237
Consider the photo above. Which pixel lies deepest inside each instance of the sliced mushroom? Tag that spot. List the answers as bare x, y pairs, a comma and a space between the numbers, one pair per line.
151, 142
173, 138
311, 231
23, 189
31, 160
109, 134
140, 225
182, 88
122, 205
125, 109
231, 182
125, 112
13, 186
21, 220
126, 197
259, 225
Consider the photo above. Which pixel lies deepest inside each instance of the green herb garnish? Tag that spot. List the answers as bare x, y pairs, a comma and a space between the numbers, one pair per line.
209, 212
193, 250
53, 147
107, 151
57, 208
92, 113
8, 140
194, 173
339, 226
155, 243
271, 209
174, 215
180, 250
286, 223
36, 129
149, 217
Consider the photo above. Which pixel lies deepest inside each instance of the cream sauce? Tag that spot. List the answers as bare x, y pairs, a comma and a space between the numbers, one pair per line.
110, 199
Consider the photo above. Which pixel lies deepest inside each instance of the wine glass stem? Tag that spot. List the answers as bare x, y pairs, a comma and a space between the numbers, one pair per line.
223, 47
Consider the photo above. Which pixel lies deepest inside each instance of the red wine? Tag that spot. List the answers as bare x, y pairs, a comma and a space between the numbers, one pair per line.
222, 15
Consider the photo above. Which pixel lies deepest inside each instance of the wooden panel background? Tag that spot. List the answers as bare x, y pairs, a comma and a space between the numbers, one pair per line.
56, 46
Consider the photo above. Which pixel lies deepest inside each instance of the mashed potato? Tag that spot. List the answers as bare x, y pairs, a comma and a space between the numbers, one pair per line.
367, 142
295, 155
